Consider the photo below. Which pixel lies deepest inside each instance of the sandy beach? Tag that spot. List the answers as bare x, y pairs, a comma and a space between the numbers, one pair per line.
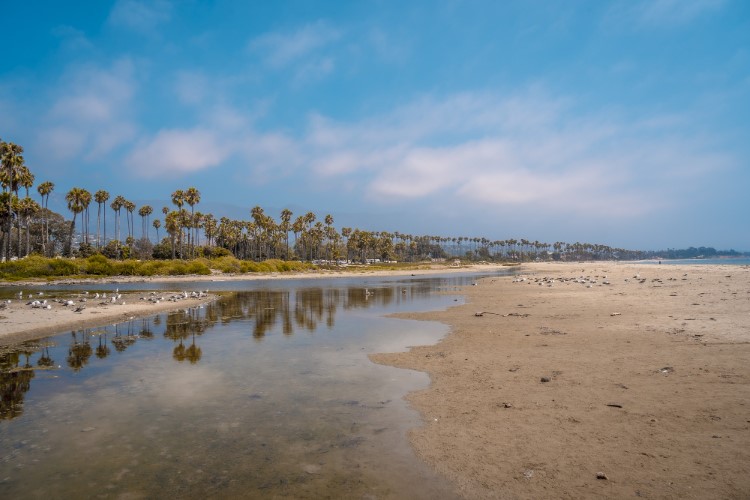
20, 322
591, 380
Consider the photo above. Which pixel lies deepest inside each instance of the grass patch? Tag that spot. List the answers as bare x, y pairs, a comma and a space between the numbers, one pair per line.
98, 266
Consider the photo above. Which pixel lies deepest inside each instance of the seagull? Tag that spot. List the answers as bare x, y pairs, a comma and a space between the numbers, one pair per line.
79, 309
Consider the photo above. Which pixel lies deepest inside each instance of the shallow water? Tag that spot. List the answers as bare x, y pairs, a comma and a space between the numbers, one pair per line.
266, 393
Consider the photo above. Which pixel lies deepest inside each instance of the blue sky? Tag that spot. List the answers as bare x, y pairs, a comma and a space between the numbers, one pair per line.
623, 123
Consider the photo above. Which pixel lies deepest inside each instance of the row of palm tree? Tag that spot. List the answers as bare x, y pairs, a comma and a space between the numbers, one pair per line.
190, 233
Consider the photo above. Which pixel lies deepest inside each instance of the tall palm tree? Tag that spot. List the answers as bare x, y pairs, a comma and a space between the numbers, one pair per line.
28, 207
45, 189
285, 227
11, 160
75, 205
130, 208
85, 202
192, 197
116, 206
144, 212
101, 197
178, 199
157, 225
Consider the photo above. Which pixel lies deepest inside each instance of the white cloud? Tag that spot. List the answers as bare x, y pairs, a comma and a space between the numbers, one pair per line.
282, 48
140, 16
661, 13
91, 113
191, 87
177, 152
72, 38
675, 11
528, 151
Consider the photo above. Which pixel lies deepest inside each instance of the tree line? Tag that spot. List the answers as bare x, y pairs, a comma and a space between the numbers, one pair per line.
30, 227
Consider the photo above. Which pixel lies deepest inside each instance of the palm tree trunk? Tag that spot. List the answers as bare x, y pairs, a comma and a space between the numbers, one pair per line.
69, 250
28, 236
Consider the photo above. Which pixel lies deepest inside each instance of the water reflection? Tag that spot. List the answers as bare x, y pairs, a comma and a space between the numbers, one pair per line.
307, 309
15, 381
272, 387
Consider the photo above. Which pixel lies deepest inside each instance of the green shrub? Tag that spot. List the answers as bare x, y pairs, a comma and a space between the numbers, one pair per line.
98, 265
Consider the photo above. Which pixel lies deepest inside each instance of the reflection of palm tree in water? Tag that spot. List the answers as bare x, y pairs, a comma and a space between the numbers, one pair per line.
102, 351
118, 341
193, 353
14, 383
45, 360
178, 353
146, 329
79, 353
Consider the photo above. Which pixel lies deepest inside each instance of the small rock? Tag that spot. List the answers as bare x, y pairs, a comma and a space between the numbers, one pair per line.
545, 379
601, 475
311, 469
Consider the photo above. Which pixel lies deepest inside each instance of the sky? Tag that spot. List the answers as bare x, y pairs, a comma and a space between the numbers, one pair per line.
625, 123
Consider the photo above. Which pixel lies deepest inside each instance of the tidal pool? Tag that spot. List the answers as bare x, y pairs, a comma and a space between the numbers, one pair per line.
267, 392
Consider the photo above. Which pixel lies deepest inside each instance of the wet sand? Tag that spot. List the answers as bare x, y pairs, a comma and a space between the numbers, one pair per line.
638, 374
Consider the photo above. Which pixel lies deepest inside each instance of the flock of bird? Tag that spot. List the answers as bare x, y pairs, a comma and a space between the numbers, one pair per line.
583, 280
586, 280
78, 303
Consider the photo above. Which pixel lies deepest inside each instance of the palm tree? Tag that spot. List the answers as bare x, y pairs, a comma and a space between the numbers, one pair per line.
172, 225
85, 202
101, 197
130, 207
10, 161
157, 225
178, 199
144, 212
116, 206
75, 205
45, 189
192, 197
285, 227
27, 208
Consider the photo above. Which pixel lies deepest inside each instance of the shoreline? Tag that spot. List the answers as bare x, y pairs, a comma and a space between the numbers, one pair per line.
19, 323
220, 277
595, 379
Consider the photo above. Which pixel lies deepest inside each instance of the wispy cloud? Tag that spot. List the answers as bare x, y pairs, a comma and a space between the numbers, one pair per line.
90, 114
72, 39
528, 151
279, 49
140, 15
661, 13
177, 152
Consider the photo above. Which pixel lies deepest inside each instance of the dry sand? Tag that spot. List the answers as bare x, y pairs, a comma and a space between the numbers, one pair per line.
644, 380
